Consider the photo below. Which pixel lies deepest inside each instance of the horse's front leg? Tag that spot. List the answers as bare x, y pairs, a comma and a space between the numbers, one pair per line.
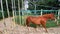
28, 25
44, 25
37, 26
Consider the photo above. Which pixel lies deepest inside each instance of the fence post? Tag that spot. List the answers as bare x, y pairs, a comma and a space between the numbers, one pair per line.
13, 16
5, 30
58, 13
19, 11
41, 12
58, 16
35, 9
22, 11
7, 8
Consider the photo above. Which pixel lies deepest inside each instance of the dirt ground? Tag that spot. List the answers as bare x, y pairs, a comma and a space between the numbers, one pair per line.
10, 28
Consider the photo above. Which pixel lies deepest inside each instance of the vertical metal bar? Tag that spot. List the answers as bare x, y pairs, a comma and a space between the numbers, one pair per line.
35, 9
46, 11
13, 13
8, 11
41, 12
13, 9
58, 17
19, 11
5, 31
22, 11
58, 13
7, 8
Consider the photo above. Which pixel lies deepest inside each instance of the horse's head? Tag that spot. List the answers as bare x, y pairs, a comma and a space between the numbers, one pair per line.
49, 16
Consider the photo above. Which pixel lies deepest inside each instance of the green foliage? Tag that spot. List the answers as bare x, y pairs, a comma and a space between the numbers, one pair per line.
42, 3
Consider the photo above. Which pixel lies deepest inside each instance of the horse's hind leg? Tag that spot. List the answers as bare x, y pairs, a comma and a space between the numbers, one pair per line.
37, 27
44, 25
27, 23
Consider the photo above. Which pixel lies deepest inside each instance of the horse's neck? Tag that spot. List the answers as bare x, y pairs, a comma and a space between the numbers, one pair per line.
45, 17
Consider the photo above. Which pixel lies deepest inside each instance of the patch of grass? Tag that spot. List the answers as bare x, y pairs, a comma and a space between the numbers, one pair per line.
51, 24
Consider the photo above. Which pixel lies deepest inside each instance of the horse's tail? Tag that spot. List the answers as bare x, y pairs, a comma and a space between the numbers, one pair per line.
27, 22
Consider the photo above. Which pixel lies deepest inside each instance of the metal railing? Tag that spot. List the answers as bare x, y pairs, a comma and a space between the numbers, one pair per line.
20, 15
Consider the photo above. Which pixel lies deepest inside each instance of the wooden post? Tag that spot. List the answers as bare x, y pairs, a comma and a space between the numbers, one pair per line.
58, 16
58, 13
41, 12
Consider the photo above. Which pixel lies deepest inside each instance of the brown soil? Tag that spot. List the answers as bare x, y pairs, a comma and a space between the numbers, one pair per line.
10, 28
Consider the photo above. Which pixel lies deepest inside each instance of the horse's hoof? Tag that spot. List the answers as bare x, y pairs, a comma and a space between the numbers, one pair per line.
0, 32
46, 32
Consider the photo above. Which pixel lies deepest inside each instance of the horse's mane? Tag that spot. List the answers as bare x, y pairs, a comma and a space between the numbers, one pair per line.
48, 15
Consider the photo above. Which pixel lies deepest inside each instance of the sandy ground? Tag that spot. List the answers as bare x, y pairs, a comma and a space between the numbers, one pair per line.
10, 28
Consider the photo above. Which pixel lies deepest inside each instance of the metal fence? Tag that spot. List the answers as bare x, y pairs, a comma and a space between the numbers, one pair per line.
25, 13
20, 15
8, 12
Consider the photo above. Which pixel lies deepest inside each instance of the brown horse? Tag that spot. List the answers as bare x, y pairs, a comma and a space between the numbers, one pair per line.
40, 20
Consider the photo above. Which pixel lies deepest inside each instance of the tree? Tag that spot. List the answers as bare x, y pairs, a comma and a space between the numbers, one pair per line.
44, 4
